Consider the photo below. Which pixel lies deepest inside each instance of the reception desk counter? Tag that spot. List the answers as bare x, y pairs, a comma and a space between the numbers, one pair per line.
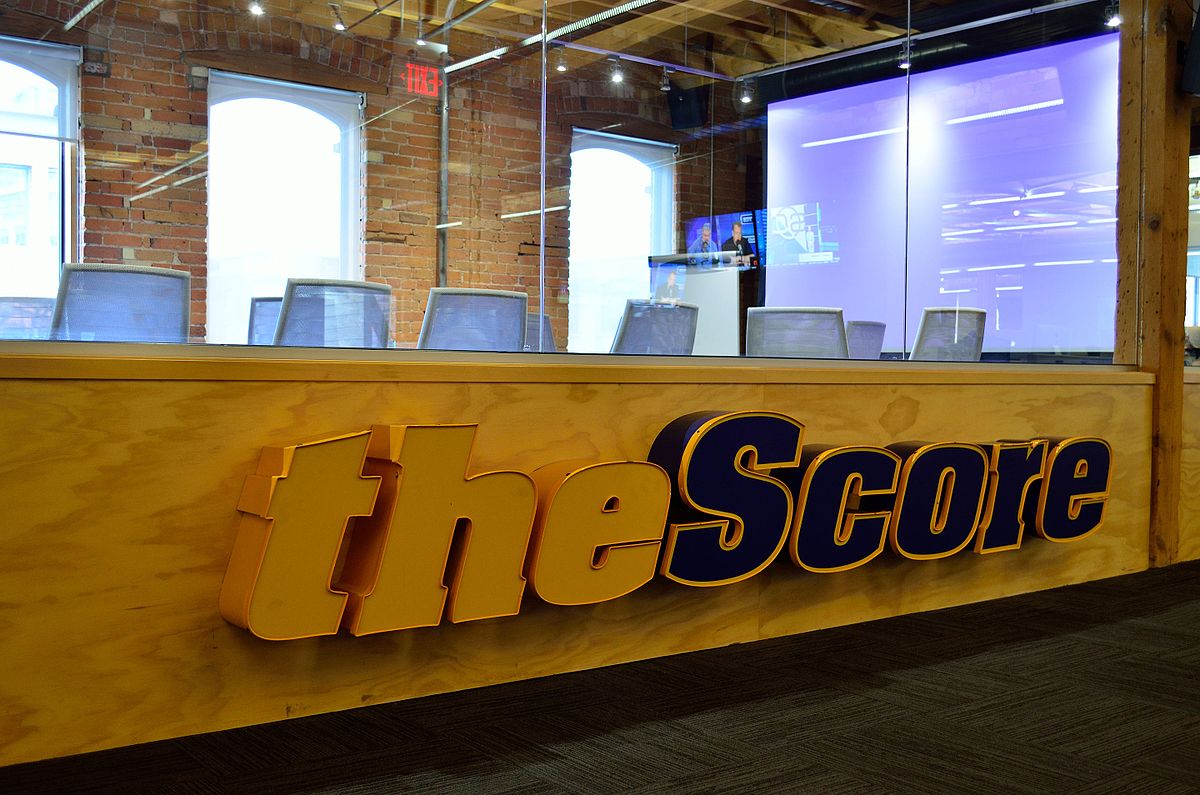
124, 469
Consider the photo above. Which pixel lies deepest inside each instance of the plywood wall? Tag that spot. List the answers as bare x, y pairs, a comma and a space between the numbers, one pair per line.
119, 493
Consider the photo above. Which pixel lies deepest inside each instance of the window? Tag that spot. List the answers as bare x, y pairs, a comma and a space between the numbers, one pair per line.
284, 193
621, 213
38, 124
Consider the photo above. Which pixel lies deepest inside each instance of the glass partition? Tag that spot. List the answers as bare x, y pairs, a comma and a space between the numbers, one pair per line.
784, 179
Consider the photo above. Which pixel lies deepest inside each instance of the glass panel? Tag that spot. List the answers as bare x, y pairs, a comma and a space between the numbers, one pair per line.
939, 170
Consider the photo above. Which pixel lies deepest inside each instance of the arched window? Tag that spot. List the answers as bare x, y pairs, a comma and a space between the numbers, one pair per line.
38, 128
622, 212
284, 193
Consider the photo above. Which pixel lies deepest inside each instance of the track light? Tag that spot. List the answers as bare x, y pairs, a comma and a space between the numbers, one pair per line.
420, 34
560, 63
1112, 15
745, 92
905, 61
256, 8
338, 23
615, 74
664, 85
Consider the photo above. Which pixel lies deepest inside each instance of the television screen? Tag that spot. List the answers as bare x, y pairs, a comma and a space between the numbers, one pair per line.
721, 233
989, 184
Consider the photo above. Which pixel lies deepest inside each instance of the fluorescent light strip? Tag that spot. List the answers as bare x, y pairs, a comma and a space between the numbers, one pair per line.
1001, 200
1100, 189
1109, 261
532, 212
487, 56
944, 291
962, 232
1103, 221
992, 114
580, 24
1064, 262
950, 270
83, 12
858, 137
1046, 195
1004, 289
1023, 227
995, 267
949, 206
448, 225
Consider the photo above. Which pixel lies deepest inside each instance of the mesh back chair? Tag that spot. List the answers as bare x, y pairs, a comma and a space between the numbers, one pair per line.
121, 303
663, 329
463, 319
264, 316
864, 338
814, 332
950, 334
331, 313
531, 334
25, 318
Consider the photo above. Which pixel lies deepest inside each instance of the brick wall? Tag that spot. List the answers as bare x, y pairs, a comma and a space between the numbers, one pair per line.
144, 111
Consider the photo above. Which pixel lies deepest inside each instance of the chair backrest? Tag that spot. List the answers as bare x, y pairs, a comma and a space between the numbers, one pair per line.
864, 338
25, 318
264, 316
816, 332
531, 334
465, 319
121, 303
332, 313
950, 334
654, 328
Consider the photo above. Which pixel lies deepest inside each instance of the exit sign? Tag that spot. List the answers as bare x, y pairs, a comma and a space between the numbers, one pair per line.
423, 80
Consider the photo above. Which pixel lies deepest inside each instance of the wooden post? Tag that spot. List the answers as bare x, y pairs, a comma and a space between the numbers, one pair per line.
1152, 175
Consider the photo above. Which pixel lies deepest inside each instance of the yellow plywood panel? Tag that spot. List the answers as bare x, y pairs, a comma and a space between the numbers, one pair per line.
1189, 496
120, 512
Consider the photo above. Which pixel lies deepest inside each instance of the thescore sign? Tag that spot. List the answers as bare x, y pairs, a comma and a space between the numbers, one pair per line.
386, 529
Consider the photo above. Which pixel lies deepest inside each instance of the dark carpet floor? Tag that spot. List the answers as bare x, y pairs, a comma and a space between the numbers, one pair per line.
1088, 689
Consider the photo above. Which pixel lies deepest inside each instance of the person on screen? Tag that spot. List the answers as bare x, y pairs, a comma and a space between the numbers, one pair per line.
737, 247
703, 252
668, 292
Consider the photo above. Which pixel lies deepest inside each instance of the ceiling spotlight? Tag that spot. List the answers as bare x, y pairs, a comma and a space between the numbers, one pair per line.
560, 63
615, 74
256, 8
745, 92
338, 23
420, 35
1112, 15
905, 61
664, 85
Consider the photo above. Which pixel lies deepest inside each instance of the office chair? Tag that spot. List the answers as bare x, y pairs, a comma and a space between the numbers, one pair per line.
332, 313
25, 318
531, 334
950, 334
466, 319
864, 338
264, 316
121, 303
811, 332
653, 328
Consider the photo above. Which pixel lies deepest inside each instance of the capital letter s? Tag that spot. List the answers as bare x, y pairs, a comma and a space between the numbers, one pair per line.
728, 518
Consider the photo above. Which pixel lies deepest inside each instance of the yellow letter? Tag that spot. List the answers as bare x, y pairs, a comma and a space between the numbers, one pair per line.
598, 530
405, 556
295, 512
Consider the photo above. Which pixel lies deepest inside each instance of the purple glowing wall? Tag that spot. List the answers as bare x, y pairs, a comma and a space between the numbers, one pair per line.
989, 184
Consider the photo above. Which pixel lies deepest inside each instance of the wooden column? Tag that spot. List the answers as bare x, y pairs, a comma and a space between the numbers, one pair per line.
1152, 174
